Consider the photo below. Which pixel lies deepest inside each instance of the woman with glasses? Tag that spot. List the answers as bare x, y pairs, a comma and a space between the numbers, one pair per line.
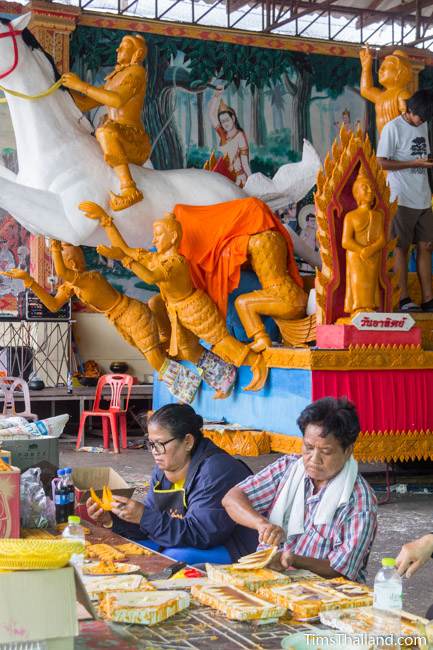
182, 515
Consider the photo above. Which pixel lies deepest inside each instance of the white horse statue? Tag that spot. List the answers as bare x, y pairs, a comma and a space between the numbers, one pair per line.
61, 164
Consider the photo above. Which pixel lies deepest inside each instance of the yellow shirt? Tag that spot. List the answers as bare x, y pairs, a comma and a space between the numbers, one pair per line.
178, 485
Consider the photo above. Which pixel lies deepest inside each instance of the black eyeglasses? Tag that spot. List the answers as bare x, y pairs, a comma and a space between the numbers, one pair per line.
158, 447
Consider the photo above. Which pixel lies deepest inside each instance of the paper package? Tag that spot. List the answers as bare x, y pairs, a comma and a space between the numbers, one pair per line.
302, 599
251, 579
235, 603
141, 607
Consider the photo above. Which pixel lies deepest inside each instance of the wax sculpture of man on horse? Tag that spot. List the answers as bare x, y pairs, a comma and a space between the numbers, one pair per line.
122, 137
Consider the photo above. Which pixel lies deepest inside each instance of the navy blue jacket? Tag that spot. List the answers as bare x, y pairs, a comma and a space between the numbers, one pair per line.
211, 474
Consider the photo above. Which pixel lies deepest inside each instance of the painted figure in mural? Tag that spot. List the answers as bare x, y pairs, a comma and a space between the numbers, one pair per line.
280, 296
363, 238
347, 122
396, 76
233, 141
122, 136
132, 319
7, 262
190, 310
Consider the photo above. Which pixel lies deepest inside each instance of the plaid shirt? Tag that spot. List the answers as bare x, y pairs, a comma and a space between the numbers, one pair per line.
346, 542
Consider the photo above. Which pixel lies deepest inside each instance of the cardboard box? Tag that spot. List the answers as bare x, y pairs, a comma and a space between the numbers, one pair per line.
36, 605
96, 477
26, 453
10, 503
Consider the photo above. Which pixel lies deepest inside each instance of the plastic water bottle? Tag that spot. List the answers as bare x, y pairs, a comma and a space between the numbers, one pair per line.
69, 384
61, 497
70, 489
75, 533
388, 586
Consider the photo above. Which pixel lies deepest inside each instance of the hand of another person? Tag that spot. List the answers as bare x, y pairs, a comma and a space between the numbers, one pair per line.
73, 81
282, 560
112, 252
414, 555
94, 211
270, 534
127, 509
17, 274
55, 245
366, 56
101, 517
424, 163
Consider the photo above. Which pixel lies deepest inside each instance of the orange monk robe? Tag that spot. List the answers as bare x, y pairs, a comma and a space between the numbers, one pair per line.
215, 243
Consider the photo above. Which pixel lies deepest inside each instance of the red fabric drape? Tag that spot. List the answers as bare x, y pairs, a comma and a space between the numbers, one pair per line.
217, 241
386, 400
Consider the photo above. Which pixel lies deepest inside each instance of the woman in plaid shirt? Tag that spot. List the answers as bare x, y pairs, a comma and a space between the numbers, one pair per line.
317, 507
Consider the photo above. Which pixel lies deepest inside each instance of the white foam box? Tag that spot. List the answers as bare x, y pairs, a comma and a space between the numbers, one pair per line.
38, 605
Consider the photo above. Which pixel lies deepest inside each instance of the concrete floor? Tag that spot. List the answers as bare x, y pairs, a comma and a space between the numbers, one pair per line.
406, 517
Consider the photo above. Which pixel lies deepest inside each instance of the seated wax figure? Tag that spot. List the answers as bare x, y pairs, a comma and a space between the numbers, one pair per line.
182, 515
413, 556
317, 506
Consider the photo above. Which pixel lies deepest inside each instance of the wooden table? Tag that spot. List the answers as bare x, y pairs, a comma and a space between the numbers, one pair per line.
82, 394
195, 628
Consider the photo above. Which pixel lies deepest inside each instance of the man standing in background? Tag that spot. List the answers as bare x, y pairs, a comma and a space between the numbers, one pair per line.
403, 151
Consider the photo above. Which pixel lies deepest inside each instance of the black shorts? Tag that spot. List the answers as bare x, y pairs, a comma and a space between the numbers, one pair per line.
411, 226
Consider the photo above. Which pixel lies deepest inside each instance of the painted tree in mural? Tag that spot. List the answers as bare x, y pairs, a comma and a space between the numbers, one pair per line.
193, 65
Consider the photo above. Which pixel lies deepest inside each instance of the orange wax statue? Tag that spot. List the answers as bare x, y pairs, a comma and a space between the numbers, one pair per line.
132, 319
363, 238
216, 253
281, 297
122, 136
396, 76
190, 310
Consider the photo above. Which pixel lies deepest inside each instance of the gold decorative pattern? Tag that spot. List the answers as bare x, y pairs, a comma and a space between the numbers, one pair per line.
373, 446
363, 357
276, 357
334, 184
243, 443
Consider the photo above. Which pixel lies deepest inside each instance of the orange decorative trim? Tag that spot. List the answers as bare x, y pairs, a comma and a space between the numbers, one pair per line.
373, 446
286, 444
221, 35
387, 446
364, 357
243, 443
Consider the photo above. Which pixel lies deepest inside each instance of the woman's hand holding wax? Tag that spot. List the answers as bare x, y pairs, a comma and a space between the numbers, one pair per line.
127, 509
95, 512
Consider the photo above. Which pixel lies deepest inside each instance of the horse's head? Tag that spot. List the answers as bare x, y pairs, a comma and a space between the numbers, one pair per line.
17, 43
11, 43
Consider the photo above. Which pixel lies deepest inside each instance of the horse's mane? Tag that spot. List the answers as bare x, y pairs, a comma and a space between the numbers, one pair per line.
32, 42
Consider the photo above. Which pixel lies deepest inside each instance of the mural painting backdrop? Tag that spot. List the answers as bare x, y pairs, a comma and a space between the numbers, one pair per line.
251, 104
14, 239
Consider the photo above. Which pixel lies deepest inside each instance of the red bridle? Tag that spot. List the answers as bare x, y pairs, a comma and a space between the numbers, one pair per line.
12, 33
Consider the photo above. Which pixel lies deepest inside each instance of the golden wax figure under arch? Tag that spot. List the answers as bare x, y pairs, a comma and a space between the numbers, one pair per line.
363, 239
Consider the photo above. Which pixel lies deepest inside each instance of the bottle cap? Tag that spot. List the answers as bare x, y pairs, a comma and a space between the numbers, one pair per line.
68, 470
60, 472
388, 562
73, 519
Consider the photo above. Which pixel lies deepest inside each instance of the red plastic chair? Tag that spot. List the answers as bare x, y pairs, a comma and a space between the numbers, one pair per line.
114, 415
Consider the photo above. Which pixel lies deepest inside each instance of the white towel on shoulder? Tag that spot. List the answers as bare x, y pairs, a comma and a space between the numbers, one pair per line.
288, 510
